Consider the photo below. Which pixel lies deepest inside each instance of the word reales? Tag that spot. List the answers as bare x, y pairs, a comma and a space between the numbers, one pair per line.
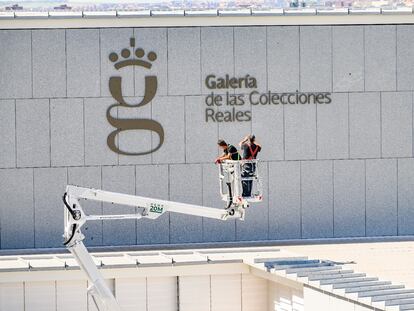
247, 82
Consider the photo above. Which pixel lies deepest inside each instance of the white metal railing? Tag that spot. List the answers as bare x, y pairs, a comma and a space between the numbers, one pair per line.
205, 13
240, 180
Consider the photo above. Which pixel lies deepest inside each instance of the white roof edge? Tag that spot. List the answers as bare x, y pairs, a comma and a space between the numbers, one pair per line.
172, 13
367, 11
99, 14
403, 10
200, 13
60, 14
339, 11
241, 12
304, 11
271, 12
30, 15
143, 13
110, 21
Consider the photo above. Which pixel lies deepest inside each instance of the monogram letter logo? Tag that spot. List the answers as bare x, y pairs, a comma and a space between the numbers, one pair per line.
115, 87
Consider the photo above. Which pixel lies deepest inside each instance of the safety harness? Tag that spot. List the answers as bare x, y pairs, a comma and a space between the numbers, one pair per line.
252, 152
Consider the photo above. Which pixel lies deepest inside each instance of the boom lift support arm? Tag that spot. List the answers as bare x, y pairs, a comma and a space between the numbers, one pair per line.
75, 218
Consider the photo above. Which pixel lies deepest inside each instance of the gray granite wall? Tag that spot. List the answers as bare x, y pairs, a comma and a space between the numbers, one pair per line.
340, 170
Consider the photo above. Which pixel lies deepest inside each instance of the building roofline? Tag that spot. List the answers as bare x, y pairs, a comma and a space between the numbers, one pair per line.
214, 245
181, 18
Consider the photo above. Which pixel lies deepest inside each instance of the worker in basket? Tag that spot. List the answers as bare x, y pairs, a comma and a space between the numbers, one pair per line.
229, 152
249, 148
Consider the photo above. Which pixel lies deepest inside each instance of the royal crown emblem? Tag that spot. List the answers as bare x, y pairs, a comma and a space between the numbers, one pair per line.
139, 53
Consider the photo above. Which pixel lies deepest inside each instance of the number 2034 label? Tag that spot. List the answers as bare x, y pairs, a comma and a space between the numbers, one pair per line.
156, 208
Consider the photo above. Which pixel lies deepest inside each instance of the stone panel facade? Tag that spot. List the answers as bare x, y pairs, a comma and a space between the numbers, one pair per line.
338, 169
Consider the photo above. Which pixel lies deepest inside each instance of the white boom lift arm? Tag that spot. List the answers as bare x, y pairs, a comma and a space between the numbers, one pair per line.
75, 218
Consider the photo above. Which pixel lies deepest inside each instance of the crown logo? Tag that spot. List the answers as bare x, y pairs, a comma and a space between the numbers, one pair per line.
132, 61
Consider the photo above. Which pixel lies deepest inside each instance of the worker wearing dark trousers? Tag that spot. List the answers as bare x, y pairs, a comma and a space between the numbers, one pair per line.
249, 149
229, 153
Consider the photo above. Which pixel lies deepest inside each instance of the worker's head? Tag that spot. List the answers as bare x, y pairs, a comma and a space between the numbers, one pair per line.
252, 138
222, 144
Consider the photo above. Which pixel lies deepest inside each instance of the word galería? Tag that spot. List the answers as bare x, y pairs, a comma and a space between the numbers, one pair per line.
231, 98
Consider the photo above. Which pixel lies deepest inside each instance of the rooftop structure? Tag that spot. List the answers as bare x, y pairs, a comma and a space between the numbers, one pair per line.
313, 272
214, 17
